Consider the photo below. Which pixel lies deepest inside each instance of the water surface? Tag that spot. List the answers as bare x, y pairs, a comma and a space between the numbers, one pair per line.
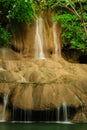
42, 126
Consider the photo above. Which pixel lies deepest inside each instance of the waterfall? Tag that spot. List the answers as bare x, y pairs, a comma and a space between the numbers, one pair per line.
62, 113
5, 101
58, 114
64, 106
55, 39
39, 53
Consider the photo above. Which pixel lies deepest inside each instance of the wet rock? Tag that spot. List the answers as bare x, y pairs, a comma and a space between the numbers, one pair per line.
45, 84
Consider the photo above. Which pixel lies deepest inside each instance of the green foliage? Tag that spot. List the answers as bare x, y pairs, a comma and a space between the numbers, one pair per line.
70, 14
19, 10
4, 36
11, 11
71, 20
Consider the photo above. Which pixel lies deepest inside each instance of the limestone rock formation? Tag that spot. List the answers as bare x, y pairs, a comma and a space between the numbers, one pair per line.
39, 78
44, 84
42, 30
8, 54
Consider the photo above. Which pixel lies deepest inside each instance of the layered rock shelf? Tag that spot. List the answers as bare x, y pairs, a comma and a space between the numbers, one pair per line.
35, 77
44, 84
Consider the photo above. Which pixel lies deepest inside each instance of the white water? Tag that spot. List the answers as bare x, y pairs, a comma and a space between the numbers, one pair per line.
64, 113
55, 39
5, 101
39, 53
65, 116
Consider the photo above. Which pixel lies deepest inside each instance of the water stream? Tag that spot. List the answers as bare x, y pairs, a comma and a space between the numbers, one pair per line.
55, 39
17, 114
39, 53
58, 114
65, 115
5, 101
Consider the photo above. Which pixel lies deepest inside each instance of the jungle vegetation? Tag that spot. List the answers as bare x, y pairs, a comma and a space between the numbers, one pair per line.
71, 14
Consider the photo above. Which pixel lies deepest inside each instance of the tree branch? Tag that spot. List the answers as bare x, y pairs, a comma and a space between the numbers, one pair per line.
82, 18
70, 8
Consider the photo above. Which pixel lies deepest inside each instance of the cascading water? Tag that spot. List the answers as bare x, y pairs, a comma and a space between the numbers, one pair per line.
65, 117
58, 114
55, 39
62, 114
5, 101
39, 53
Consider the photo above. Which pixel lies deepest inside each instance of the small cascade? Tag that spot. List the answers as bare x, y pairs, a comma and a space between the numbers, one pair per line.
62, 114
21, 115
28, 115
58, 114
5, 101
65, 115
55, 40
39, 53
33, 115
